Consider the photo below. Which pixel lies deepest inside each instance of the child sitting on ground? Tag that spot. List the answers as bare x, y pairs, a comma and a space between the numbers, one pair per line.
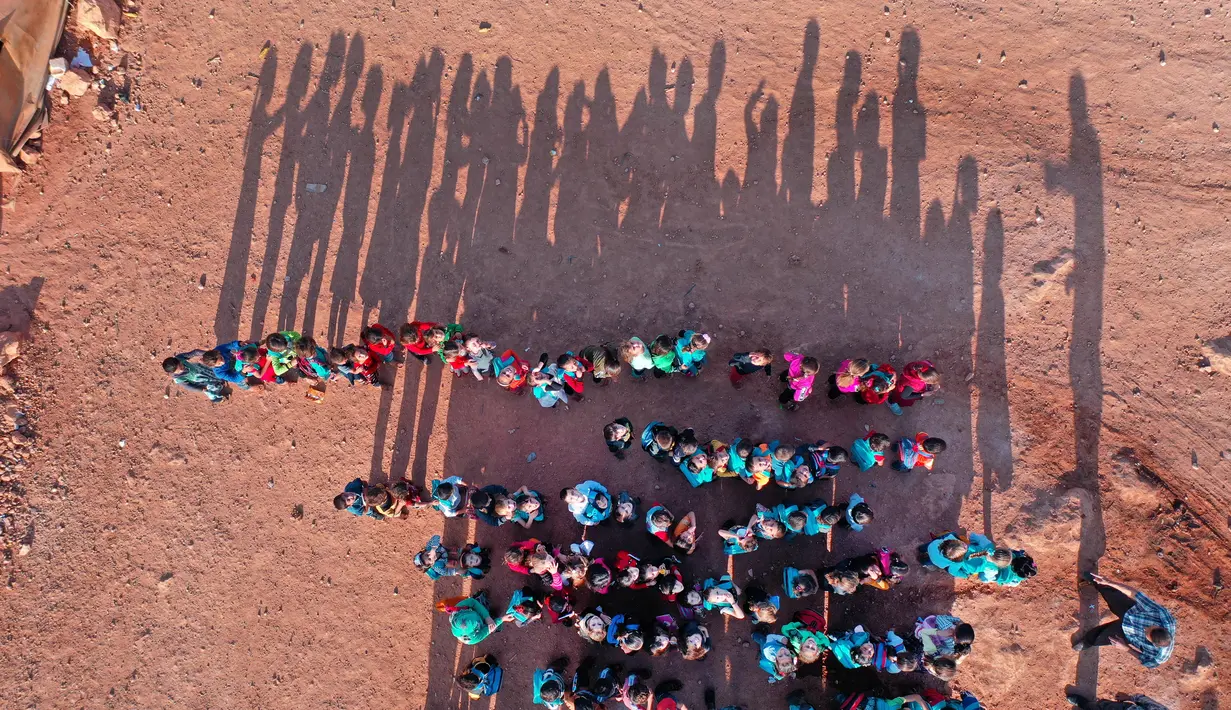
195, 377
749, 363
799, 583
759, 605
619, 436
659, 521
480, 356
481, 678
719, 456
737, 539
759, 471
920, 451
697, 470
588, 501
437, 561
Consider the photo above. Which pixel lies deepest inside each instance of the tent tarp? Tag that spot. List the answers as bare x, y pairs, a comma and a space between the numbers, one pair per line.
29, 33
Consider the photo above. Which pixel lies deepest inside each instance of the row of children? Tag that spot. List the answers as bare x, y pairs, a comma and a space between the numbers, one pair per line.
939, 643
790, 467
452, 497
975, 557
789, 521
288, 355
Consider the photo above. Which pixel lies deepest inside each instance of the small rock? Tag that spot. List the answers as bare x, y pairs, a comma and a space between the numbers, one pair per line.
1022, 84
531, 457
297, 511
75, 82
485, 27
101, 114
101, 17
1215, 126
1162, 58
21, 439
1003, 56
316, 187
23, 550
123, 443
29, 154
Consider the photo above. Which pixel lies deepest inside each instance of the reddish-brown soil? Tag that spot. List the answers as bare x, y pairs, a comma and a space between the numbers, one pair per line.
1023, 193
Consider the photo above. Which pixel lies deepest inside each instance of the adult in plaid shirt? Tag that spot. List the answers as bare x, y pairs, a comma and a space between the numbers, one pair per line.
1144, 629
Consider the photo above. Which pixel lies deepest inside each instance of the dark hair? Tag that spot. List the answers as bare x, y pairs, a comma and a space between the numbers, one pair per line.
639, 693
338, 356
810, 365
468, 680
277, 342
933, 445
305, 346
965, 633
212, 356
514, 556
564, 493
861, 514
551, 690
1023, 565
250, 353
371, 334
480, 499
944, 668
831, 515
339, 501
445, 490
170, 365
1160, 637
408, 333
796, 520
661, 517
806, 584
609, 431
837, 454
663, 344
598, 577
878, 442
743, 449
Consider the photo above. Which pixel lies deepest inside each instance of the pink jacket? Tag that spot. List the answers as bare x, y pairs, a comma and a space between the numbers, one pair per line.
796, 379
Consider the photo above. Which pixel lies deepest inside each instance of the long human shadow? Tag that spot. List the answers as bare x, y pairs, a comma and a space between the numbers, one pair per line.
994, 433
261, 126
1082, 177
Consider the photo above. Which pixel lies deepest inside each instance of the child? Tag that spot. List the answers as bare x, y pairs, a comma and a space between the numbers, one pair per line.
694, 642
854, 649
697, 470
920, 451
379, 341
625, 635
663, 637
406, 496
598, 576
758, 604
759, 471
423, 339
721, 594
560, 608
806, 636
627, 507
737, 539
356, 364
840, 580
451, 497
1019, 568
766, 525
749, 363
737, 463
453, 354
512, 373
794, 520
482, 677
882, 569
593, 625
312, 360
619, 436
782, 460
858, 513
548, 384
821, 517
604, 363
549, 685
686, 445
690, 352
799, 583
659, 521
870, 450
662, 352
776, 657
589, 502
919, 379
684, 537
436, 561
637, 355
480, 356
876, 384
636, 693
195, 377
659, 440
469, 619
799, 376
251, 361
493, 505
280, 355
525, 607
222, 360
961, 557
719, 456
628, 571
351, 500
943, 636
572, 371
848, 377
527, 507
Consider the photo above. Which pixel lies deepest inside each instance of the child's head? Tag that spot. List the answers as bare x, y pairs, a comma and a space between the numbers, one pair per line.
719, 596
605, 362
805, 585
864, 653
954, 549
772, 528
515, 557
435, 336
630, 349
249, 353
615, 431
843, 581
569, 363
720, 458
445, 491
472, 559
598, 577
697, 462
810, 366
628, 576
662, 345
743, 449
377, 496
809, 651
897, 568
551, 691
342, 501
572, 497
664, 439
837, 454
801, 477
688, 442
1161, 638
944, 669
831, 515
360, 355
407, 334
764, 612
661, 519
469, 681
212, 358
595, 626
480, 500
529, 505
1002, 557
1023, 566
540, 561
693, 598
670, 586
861, 514
879, 442
761, 358
783, 453
172, 366
934, 446
305, 347
796, 520
632, 640
699, 341
277, 342
964, 633
907, 662
785, 662
859, 367
929, 374
503, 506
506, 377
452, 350
338, 356
638, 693
473, 344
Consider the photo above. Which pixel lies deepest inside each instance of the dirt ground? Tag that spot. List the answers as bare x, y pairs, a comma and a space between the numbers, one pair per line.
1033, 196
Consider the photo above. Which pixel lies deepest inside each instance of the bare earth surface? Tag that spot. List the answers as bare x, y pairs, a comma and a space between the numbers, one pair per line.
1025, 193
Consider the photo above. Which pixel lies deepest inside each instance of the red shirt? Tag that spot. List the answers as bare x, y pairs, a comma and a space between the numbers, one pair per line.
382, 349
419, 346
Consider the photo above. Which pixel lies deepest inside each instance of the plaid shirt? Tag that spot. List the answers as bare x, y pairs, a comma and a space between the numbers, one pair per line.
1144, 614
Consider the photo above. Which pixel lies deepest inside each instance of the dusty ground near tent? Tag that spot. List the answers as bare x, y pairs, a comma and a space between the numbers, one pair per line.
1035, 199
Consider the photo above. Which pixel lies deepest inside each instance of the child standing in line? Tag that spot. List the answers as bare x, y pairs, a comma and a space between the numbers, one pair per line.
858, 513
482, 677
737, 464
749, 363
759, 471
765, 524
351, 499
722, 595
548, 384
719, 456
737, 539
686, 445
525, 607
549, 685
361, 365
662, 352
877, 384
527, 507
697, 470
453, 354
658, 522
588, 501
920, 451
634, 352
684, 537
424, 339
451, 497
379, 341
312, 360
572, 371
469, 619
870, 450
776, 657
619, 436
222, 360
659, 440
627, 509
690, 350
799, 583
195, 377
758, 604
604, 363
251, 361
919, 379
799, 377
480, 356
848, 377
821, 517
280, 355
826, 459
512, 373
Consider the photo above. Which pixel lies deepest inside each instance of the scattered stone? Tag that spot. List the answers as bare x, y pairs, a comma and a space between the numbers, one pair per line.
21, 439
1218, 354
1162, 58
316, 187
75, 82
1215, 126
101, 114
297, 511
1003, 56
23, 550
101, 17
1022, 84
485, 27
29, 154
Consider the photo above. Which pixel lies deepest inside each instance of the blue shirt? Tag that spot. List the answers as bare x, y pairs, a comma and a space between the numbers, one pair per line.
1146, 613
592, 514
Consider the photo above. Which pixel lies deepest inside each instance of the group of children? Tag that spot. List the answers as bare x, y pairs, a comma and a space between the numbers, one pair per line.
288, 356
787, 521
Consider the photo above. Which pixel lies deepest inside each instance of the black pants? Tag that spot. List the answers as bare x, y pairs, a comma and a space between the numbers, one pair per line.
1119, 603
